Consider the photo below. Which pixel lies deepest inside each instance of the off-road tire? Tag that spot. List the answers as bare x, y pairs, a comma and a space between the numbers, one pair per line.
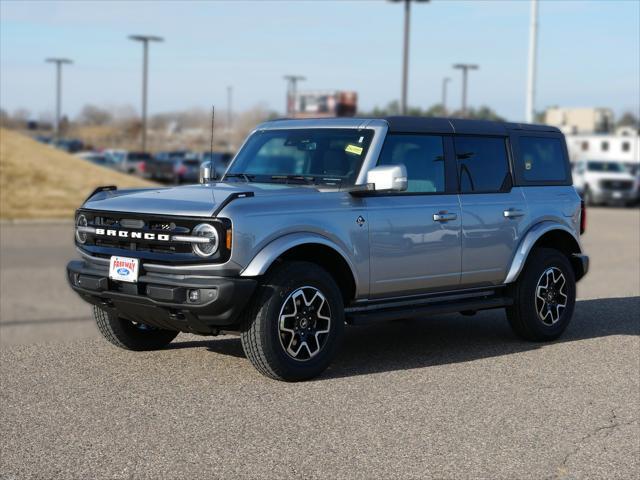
523, 314
125, 334
260, 334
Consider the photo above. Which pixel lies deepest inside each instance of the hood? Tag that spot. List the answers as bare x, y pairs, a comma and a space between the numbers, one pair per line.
191, 200
611, 175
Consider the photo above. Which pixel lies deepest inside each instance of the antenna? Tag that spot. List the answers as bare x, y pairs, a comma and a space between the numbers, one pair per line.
213, 165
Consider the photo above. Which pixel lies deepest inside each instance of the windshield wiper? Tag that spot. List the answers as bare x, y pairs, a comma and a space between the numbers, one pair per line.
304, 178
246, 177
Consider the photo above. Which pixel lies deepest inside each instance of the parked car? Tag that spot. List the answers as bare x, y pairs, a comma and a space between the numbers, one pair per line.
318, 223
69, 145
135, 163
98, 158
605, 182
170, 167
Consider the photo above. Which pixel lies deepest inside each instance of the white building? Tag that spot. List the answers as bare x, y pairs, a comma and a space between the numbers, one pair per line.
575, 121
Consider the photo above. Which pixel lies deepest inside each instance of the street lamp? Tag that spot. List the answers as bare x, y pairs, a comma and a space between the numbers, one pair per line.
405, 52
445, 80
59, 62
465, 67
292, 92
145, 39
531, 78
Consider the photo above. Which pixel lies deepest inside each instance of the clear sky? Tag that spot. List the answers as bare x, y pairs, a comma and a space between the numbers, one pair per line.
589, 52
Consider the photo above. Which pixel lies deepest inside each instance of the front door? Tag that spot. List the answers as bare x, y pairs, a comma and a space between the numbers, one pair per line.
415, 243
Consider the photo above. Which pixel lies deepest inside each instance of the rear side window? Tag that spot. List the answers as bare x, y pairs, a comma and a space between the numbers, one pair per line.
542, 160
423, 157
482, 164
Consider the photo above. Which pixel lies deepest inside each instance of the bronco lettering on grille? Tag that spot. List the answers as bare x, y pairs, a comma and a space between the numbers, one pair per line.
101, 232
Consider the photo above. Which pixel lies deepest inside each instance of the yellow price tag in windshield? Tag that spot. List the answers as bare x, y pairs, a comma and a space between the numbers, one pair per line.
353, 149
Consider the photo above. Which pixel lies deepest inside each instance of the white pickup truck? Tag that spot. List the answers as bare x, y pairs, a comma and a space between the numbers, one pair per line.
605, 182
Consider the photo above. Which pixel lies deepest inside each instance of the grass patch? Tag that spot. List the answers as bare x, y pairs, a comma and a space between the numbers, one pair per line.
39, 181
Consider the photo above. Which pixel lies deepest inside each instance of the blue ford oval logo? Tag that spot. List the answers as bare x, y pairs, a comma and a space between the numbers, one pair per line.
123, 271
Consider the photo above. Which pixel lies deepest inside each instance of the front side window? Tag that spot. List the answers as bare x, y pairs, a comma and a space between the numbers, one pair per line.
423, 157
326, 156
483, 165
543, 159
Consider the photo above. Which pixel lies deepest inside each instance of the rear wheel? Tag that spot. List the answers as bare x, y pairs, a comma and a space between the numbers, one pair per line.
544, 296
131, 335
295, 323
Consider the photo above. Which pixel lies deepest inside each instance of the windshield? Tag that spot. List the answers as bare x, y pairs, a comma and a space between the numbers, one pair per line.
325, 156
605, 167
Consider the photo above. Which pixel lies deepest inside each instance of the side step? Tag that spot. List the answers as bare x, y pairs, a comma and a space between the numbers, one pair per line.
382, 312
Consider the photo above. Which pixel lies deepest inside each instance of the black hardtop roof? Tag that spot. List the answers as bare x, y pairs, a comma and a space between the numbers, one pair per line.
401, 124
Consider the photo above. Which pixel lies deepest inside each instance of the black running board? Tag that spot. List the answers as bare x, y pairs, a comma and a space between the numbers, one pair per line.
437, 306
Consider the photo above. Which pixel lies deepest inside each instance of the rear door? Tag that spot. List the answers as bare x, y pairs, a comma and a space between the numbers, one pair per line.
415, 235
494, 213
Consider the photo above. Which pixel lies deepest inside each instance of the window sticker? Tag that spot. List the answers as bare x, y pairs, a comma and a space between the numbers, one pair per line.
353, 149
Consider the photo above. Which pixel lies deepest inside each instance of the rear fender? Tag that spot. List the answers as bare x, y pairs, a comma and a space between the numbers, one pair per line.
531, 237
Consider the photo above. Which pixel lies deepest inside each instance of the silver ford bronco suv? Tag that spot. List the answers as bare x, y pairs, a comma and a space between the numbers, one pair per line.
320, 223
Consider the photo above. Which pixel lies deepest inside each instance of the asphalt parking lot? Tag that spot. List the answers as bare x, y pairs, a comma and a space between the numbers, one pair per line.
449, 397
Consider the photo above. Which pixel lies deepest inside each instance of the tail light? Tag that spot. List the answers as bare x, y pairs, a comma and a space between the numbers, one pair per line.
181, 170
142, 167
583, 217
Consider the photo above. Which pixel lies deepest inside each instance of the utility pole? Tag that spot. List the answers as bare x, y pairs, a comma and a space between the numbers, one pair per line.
465, 67
405, 53
445, 80
531, 79
145, 39
292, 93
58, 62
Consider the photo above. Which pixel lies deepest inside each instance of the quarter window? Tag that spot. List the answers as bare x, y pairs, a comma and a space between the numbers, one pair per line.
482, 164
542, 159
423, 157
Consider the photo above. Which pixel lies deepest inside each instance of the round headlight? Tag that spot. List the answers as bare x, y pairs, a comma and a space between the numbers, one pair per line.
207, 231
81, 221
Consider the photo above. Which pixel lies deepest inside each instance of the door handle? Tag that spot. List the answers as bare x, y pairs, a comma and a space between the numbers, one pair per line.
513, 213
444, 217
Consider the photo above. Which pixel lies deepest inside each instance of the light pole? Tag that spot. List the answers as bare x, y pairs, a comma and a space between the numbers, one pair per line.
465, 67
445, 81
59, 62
405, 53
531, 80
292, 92
145, 39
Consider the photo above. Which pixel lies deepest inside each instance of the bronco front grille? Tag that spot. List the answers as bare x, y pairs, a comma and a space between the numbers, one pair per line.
133, 232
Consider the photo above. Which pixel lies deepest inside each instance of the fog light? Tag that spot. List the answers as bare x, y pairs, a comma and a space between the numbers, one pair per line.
194, 295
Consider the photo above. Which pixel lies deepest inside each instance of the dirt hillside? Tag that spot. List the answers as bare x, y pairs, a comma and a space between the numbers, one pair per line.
39, 181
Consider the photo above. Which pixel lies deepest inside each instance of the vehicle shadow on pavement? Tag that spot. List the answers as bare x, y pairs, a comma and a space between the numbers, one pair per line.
447, 339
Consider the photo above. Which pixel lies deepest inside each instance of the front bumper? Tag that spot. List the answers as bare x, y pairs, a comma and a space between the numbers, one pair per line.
162, 300
615, 196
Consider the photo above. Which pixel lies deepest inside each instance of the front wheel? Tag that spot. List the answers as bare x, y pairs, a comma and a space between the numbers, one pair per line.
544, 296
295, 323
130, 335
